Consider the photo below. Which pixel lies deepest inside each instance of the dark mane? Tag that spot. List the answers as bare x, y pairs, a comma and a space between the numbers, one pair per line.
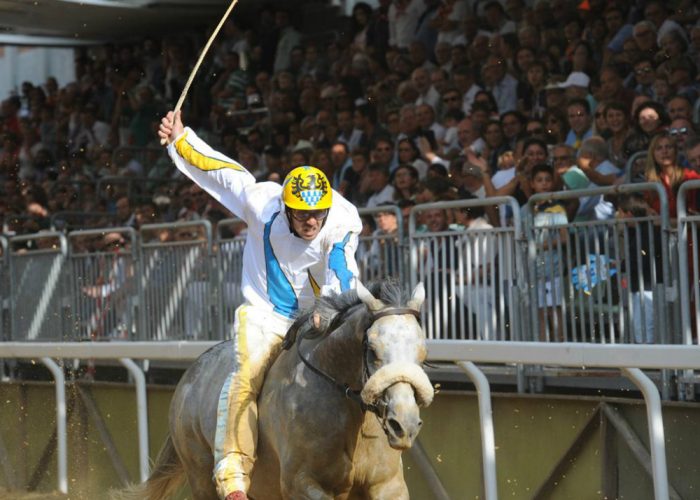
334, 310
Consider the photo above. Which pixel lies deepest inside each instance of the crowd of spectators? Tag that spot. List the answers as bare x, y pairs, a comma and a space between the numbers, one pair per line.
416, 101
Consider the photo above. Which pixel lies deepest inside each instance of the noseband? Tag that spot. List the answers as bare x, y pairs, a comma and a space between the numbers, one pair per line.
378, 408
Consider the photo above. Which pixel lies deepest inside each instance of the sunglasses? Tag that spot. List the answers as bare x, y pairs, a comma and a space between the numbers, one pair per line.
678, 131
304, 215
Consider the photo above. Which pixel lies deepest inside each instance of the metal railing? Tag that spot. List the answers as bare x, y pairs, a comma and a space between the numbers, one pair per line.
600, 281
470, 275
629, 359
183, 280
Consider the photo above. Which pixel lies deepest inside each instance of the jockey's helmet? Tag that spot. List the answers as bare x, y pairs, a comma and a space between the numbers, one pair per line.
307, 188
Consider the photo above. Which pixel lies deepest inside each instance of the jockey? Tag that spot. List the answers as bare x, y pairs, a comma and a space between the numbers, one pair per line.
300, 243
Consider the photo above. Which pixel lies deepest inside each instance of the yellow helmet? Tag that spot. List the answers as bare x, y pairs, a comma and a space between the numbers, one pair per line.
306, 188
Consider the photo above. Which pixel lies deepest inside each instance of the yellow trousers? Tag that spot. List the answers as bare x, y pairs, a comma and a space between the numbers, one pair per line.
258, 338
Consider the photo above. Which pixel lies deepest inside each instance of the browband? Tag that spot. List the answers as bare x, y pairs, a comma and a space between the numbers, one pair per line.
396, 311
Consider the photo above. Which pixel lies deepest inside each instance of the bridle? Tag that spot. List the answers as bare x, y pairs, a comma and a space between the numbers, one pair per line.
379, 407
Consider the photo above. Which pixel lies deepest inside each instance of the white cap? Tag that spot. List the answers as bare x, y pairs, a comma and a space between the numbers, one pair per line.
301, 145
576, 79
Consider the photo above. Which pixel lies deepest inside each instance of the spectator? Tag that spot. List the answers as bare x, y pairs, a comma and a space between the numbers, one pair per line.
464, 79
533, 98
501, 84
644, 74
579, 115
679, 106
692, 153
644, 34
384, 256
644, 264
616, 117
549, 223
593, 161
403, 18
512, 124
425, 115
563, 158
383, 153
494, 143
405, 181
649, 118
125, 216
381, 191
681, 129
409, 154
340, 164
287, 39
662, 166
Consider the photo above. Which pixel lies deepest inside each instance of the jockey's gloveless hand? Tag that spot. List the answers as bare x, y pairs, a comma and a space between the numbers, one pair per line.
171, 126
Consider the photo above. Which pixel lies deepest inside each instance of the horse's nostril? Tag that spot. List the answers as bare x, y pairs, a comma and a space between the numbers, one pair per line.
420, 423
396, 428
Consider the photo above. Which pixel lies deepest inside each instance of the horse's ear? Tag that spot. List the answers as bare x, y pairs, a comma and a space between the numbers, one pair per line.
368, 299
417, 297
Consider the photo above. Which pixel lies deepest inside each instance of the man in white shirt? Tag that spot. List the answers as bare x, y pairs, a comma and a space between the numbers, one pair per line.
377, 183
403, 19
501, 84
593, 161
428, 95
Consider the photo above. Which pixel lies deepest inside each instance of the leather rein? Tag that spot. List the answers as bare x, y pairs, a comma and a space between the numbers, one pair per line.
378, 409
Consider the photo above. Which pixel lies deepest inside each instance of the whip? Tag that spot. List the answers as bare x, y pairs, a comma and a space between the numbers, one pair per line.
186, 89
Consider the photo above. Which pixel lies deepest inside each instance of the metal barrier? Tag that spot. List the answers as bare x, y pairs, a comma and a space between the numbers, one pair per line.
5, 295
472, 286
634, 167
179, 282
689, 272
102, 284
606, 281
37, 285
179, 295
629, 359
383, 254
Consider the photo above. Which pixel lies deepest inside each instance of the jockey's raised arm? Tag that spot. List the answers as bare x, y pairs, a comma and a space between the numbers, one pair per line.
220, 176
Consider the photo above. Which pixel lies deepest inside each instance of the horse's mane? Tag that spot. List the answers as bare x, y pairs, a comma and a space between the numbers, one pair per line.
334, 310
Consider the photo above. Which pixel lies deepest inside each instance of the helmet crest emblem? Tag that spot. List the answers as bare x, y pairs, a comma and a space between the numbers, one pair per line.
310, 192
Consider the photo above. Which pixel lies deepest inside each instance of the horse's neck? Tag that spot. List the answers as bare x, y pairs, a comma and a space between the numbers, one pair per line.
340, 354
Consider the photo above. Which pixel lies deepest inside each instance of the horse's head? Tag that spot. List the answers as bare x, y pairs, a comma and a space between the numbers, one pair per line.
394, 351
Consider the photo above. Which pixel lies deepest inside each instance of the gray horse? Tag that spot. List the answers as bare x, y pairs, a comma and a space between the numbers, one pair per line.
318, 439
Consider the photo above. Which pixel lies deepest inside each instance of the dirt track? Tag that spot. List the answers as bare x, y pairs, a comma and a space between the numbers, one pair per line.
17, 495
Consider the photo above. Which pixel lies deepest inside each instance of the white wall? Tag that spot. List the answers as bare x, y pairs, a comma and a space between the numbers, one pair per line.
34, 64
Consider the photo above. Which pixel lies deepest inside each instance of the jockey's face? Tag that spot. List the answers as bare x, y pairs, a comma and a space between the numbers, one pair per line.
307, 223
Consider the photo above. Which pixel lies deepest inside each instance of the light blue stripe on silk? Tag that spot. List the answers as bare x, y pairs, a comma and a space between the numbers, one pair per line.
279, 289
338, 263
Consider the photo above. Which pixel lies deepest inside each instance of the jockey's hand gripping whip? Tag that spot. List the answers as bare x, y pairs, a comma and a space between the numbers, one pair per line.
186, 89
